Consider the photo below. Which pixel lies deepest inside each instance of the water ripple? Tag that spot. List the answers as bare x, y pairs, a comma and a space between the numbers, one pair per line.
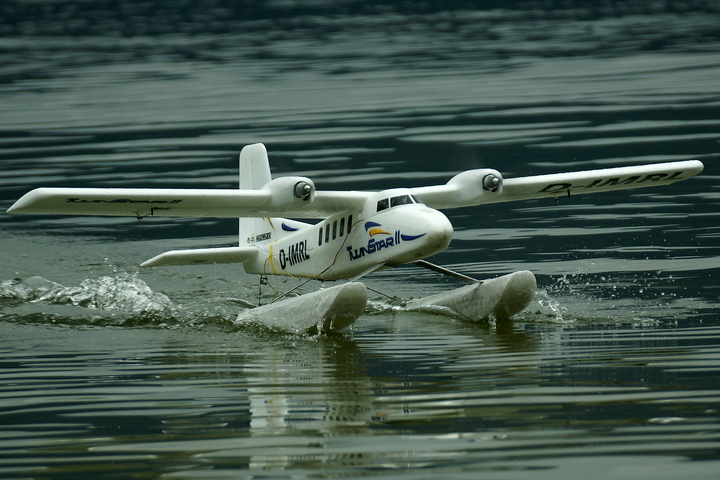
111, 371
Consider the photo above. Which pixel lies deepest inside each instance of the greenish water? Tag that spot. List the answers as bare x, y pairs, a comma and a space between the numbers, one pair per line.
110, 371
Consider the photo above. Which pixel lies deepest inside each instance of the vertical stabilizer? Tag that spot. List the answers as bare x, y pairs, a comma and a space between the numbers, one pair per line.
254, 167
254, 174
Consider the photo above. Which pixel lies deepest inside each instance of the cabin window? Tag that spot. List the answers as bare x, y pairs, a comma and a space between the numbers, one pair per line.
401, 200
342, 226
383, 205
349, 224
327, 233
320, 237
334, 230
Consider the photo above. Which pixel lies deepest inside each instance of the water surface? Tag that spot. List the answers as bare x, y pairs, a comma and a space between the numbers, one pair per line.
110, 371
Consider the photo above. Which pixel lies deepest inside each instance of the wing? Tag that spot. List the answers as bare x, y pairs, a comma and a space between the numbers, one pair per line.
140, 202
477, 187
281, 196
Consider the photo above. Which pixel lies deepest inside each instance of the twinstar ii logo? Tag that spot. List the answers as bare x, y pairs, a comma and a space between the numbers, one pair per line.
379, 239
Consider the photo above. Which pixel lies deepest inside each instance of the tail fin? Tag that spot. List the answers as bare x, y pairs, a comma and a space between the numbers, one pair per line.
254, 167
254, 174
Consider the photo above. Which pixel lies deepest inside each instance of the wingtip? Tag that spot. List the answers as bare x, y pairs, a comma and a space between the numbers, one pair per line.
694, 167
16, 207
700, 165
25, 204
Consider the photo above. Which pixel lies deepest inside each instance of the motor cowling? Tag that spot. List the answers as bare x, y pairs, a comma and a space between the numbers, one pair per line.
471, 185
287, 192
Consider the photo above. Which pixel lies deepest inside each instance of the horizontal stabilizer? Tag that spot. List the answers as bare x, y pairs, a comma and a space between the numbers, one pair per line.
202, 256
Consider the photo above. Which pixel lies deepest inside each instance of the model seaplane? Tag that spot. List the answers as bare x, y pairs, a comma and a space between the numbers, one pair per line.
358, 233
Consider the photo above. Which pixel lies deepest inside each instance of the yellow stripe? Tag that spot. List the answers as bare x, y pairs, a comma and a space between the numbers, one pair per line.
272, 263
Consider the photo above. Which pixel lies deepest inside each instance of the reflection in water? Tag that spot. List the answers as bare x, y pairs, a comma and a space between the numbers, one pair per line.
307, 396
394, 394
318, 388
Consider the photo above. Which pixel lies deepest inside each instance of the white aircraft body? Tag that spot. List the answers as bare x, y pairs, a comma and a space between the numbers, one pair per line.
358, 232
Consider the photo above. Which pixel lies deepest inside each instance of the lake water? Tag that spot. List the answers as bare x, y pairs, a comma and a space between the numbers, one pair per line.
111, 371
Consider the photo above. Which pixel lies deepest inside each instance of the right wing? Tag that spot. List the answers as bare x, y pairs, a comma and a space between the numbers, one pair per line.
159, 202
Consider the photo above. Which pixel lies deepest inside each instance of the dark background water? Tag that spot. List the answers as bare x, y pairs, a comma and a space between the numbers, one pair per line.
112, 371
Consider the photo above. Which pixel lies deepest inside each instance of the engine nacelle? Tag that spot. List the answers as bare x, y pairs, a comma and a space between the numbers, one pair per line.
471, 185
287, 192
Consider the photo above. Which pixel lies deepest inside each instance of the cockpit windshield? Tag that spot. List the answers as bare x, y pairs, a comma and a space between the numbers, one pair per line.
401, 200
386, 203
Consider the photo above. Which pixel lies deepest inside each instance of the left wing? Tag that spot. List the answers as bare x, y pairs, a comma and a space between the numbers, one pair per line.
479, 187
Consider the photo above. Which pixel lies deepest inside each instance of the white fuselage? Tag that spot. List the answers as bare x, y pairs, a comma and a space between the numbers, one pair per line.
393, 228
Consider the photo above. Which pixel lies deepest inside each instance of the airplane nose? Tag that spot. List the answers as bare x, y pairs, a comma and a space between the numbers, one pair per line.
439, 231
443, 231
